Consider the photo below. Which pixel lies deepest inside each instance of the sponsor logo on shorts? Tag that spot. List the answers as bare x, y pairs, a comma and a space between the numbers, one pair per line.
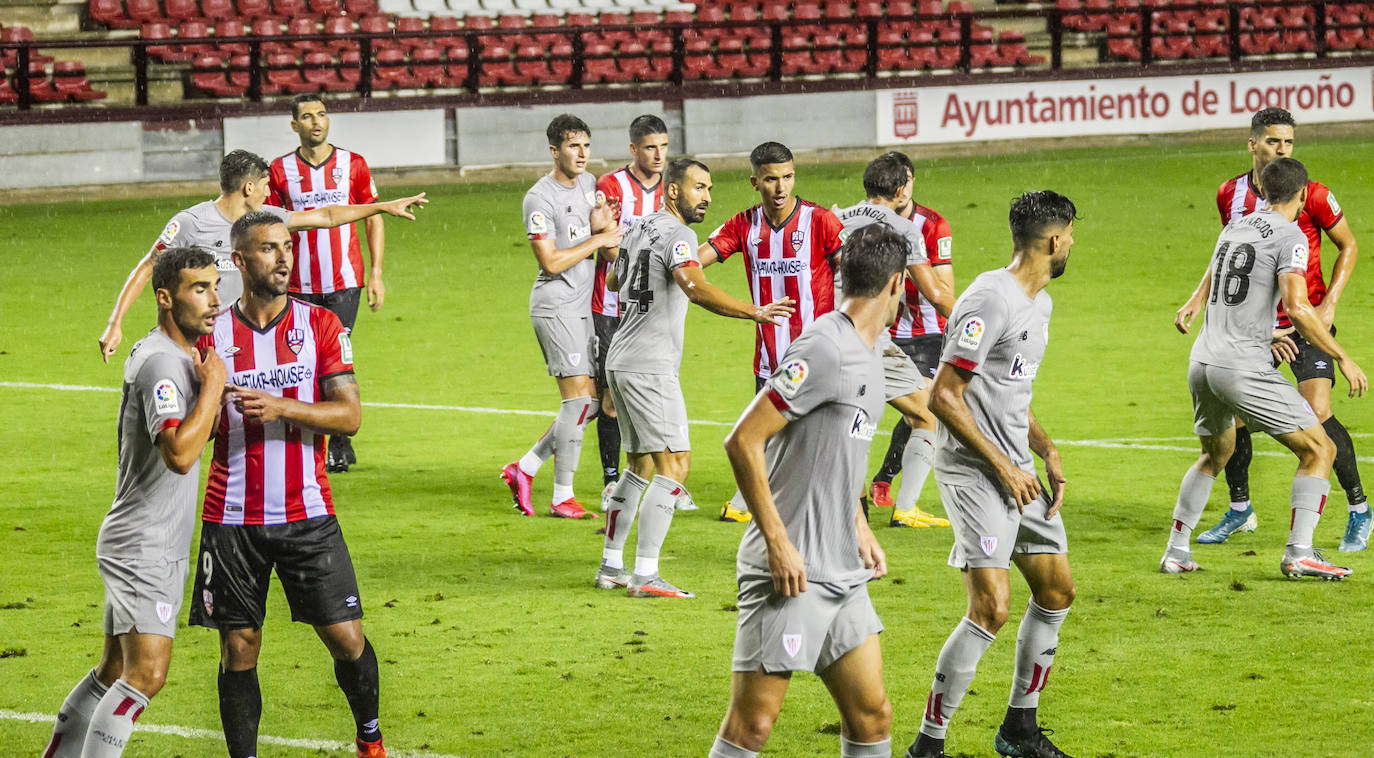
971, 335
164, 612
942, 247
791, 644
989, 544
861, 428
165, 397
351, 601
681, 250
791, 378
295, 339
207, 598
1022, 368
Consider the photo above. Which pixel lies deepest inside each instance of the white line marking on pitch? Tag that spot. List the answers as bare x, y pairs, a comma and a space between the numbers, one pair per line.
208, 734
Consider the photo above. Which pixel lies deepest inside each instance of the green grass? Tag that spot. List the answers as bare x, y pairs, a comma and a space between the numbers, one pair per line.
492, 640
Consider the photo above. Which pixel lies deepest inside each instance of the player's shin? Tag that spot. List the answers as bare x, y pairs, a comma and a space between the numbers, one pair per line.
73, 718
1192, 498
1238, 470
620, 515
1036, 643
918, 458
608, 444
1347, 470
113, 721
954, 671
361, 685
1308, 499
240, 710
895, 459
573, 415
655, 516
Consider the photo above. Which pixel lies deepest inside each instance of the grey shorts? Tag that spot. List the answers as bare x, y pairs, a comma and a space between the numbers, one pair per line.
900, 375
1266, 401
988, 529
803, 633
142, 595
568, 344
652, 412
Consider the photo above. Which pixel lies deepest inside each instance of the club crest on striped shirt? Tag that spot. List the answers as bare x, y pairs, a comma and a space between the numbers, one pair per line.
989, 544
295, 339
791, 644
798, 239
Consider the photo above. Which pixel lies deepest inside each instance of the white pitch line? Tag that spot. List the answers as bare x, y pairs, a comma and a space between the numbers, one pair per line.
1112, 444
193, 733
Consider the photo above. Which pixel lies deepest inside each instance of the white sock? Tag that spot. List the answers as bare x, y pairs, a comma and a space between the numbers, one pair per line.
1360, 507
1240, 505
573, 415
918, 457
1036, 642
1308, 500
74, 716
851, 749
620, 515
1192, 498
113, 721
655, 516
954, 671
723, 748
737, 502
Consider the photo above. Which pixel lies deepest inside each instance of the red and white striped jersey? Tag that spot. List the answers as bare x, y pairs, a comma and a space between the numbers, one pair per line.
327, 260
917, 317
636, 201
1237, 198
792, 260
273, 473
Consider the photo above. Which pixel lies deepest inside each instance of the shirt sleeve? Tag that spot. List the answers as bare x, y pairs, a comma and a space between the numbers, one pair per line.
165, 390
1322, 205
277, 192
729, 238
177, 233
809, 377
1223, 206
916, 255
607, 188
334, 350
1293, 254
681, 251
360, 185
830, 231
939, 242
539, 217
974, 327
281, 213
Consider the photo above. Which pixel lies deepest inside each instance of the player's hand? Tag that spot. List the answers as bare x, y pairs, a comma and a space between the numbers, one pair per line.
209, 368
1054, 472
785, 564
870, 552
1353, 374
1185, 315
609, 239
256, 405
1021, 485
401, 207
109, 341
376, 291
605, 215
769, 314
1282, 346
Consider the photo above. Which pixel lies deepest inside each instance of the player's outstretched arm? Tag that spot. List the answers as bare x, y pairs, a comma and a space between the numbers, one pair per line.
181, 446
948, 405
932, 288
1185, 315
1293, 289
128, 294
1341, 271
553, 261
716, 300
338, 215
1043, 446
340, 412
744, 448
706, 253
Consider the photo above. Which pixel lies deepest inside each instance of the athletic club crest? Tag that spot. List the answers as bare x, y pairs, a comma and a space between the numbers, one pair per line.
798, 239
904, 115
295, 339
164, 612
989, 544
791, 643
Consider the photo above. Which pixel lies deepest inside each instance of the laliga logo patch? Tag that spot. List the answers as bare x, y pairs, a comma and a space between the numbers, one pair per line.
681, 250
1332, 204
861, 428
169, 232
790, 379
1300, 255
791, 644
972, 333
538, 224
165, 399
295, 339
798, 239
989, 544
164, 612
345, 347
600, 198
943, 248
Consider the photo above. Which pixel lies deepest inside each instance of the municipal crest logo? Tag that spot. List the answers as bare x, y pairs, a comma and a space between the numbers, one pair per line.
337, 175
904, 113
208, 600
295, 339
790, 378
164, 612
989, 544
798, 239
791, 644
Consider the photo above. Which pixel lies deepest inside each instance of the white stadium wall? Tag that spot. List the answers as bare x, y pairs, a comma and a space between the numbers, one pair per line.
469, 137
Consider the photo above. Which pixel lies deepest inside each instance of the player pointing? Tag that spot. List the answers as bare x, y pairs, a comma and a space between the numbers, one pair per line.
656, 275
1260, 260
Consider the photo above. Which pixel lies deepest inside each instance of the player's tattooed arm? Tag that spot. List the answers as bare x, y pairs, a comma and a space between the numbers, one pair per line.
340, 412
1043, 446
744, 448
1183, 318
1293, 290
1346, 253
948, 405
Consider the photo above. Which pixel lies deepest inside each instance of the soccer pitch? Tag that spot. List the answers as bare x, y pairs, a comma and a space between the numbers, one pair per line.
491, 637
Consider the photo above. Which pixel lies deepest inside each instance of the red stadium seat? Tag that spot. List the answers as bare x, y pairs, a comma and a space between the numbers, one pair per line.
531, 65
197, 29
253, 9
111, 13
1012, 50
445, 24
69, 79
1122, 42
207, 76
351, 68
179, 10
1175, 41
269, 27
302, 25
599, 66
1069, 10
360, 8
321, 74
411, 25
284, 74
339, 27
427, 64
40, 88
20, 34
168, 53
231, 27
1100, 15
289, 8
217, 9
697, 59
143, 10
326, 7
7, 93
459, 66
390, 70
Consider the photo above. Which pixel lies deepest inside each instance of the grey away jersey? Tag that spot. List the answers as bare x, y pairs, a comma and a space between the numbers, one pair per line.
562, 214
1251, 253
203, 225
830, 389
653, 306
856, 217
154, 508
999, 334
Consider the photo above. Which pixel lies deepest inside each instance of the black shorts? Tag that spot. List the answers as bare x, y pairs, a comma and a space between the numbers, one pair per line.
758, 384
924, 351
235, 568
604, 327
341, 303
1312, 362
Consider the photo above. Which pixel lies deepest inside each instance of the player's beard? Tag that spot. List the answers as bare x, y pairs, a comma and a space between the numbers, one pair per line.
693, 214
193, 324
1057, 268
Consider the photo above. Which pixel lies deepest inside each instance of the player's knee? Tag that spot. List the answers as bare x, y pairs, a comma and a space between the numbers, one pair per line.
874, 722
239, 649
148, 677
989, 610
1057, 598
345, 641
749, 730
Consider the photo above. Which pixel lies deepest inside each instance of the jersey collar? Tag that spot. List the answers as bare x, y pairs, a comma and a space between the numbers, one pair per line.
327, 158
238, 314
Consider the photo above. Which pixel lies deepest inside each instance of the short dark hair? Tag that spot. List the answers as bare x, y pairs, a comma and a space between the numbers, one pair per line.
1267, 117
1282, 180
645, 125
869, 259
885, 176
904, 158
302, 99
238, 167
677, 170
1034, 212
242, 230
769, 153
563, 125
170, 263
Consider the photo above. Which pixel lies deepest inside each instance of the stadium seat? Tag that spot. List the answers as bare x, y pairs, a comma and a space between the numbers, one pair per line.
253, 9
111, 13
983, 49
599, 65
197, 29
427, 66
288, 8
301, 25
268, 27
390, 71
1011, 46
7, 93
215, 10
458, 63
360, 8
207, 76
351, 68
1173, 42
446, 24
143, 10
531, 65
325, 7
20, 34
166, 53
1097, 15
180, 10
318, 71
411, 25
339, 27
69, 79
282, 74
697, 59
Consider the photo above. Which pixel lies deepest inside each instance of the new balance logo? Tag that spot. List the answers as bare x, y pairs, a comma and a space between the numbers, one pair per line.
1051, 651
